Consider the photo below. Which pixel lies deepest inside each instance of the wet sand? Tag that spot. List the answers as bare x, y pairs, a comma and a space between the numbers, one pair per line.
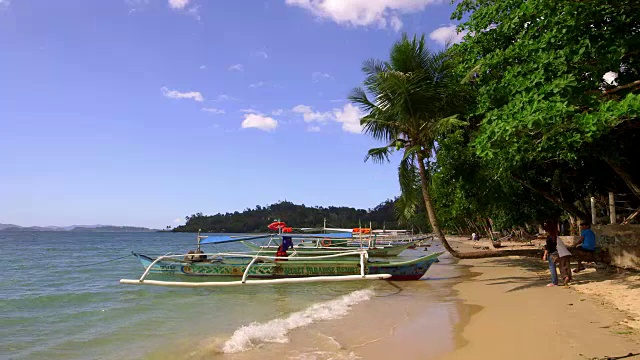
409, 320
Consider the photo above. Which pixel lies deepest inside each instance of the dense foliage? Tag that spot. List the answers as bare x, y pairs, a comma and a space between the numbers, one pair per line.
551, 111
550, 118
257, 219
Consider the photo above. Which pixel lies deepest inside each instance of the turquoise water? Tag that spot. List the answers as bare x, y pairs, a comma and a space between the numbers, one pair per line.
56, 302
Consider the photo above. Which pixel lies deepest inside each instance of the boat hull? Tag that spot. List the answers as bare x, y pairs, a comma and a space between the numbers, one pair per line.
402, 270
387, 251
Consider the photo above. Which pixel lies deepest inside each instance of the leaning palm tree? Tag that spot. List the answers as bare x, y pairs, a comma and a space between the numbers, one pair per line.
409, 102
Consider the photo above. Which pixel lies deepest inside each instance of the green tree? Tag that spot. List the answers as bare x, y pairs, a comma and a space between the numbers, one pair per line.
550, 119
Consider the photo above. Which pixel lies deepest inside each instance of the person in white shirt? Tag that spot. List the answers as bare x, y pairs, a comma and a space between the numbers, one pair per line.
563, 261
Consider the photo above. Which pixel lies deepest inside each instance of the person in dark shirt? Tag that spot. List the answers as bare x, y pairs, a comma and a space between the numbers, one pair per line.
551, 250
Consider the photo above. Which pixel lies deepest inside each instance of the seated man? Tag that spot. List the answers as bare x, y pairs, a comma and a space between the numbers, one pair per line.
587, 242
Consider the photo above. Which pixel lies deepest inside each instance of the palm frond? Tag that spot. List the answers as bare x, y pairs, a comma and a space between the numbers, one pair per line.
378, 155
444, 126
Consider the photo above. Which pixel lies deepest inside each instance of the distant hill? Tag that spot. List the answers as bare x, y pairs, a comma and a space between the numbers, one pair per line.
257, 219
76, 228
4, 226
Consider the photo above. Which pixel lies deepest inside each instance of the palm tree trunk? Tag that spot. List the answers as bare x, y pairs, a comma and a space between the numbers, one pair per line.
429, 206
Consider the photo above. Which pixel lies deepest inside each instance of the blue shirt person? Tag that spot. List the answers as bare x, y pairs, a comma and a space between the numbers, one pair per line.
587, 242
588, 239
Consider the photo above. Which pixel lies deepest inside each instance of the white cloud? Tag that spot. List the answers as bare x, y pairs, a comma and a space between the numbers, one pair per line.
261, 122
213, 111
4, 3
317, 76
381, 13
202, 67
258, 84
175, 94
177, 220
308, 115
134, 5
277, 112
313, 128
447, 34
396, 23
261, 54
195, 12
178, 4
236, 67
251, 111
225, 97
350, 117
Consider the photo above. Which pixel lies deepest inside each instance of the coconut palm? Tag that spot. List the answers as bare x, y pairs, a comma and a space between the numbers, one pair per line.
409, 102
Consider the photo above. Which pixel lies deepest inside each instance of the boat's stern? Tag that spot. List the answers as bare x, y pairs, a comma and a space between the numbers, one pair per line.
407, 270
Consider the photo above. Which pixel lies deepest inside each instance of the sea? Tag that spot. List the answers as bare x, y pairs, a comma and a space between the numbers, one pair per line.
60, 298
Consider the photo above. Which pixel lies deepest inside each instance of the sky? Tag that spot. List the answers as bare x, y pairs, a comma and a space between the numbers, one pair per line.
140, 112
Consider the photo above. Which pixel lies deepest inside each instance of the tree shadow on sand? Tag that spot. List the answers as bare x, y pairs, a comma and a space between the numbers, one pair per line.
541, 269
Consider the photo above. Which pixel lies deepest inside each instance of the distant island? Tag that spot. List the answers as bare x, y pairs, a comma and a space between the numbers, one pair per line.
77, 228
257, 219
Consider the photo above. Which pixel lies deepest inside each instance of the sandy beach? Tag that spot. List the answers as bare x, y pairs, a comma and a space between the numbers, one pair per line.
494, 308
522, 317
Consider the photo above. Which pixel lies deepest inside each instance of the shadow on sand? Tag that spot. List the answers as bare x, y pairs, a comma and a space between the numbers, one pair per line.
541, 269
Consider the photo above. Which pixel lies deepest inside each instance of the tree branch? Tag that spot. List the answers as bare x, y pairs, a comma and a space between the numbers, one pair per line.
568, 207
622, 87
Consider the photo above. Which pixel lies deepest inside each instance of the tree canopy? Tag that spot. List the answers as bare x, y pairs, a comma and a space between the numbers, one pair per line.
257, 219
556, 93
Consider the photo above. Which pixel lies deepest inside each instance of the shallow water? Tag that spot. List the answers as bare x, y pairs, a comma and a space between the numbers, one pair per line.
56, 302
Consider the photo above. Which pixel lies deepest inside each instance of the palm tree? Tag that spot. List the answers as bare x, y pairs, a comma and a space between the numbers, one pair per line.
415, 98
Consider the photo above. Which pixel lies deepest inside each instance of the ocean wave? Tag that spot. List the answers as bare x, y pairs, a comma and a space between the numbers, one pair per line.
276, 330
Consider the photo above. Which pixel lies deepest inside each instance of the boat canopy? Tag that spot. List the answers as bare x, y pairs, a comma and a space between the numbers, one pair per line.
221, 239
320, 236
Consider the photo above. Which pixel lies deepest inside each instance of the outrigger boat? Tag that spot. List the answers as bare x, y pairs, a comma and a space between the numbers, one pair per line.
261, 269
257, 268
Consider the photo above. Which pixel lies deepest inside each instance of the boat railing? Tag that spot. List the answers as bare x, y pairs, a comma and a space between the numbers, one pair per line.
364, 256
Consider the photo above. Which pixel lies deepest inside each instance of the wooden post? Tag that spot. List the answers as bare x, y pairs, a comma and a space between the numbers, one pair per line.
593, 210
612, 207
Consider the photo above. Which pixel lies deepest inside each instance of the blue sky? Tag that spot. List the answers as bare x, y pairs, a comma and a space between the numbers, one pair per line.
139, 112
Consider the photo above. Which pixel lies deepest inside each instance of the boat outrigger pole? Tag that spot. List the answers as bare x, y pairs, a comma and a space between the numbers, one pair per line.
200, 238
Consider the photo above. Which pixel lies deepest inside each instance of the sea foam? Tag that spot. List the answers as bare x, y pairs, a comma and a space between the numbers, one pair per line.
276, 330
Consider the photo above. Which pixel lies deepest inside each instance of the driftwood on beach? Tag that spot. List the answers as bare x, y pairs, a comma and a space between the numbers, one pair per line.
599, 256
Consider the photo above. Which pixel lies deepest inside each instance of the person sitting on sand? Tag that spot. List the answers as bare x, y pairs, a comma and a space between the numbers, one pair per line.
551, 252
587, 243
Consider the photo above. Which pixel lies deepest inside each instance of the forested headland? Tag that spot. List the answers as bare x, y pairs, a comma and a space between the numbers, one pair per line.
257, 219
